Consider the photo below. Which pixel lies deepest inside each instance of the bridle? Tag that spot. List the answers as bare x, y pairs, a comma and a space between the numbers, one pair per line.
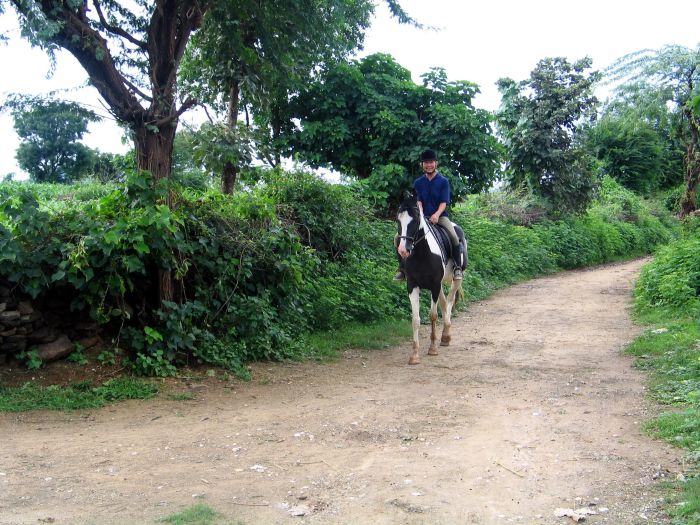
412, 238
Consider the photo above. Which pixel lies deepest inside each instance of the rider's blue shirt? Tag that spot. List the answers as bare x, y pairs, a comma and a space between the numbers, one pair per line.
432, 192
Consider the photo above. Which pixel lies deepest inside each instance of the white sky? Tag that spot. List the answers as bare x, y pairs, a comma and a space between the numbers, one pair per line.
477, 41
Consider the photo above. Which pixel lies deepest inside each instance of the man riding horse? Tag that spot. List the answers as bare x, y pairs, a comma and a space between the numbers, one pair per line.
433, 192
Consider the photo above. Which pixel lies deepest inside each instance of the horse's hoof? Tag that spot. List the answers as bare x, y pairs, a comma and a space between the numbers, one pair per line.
433, 351
445, 340
414, 361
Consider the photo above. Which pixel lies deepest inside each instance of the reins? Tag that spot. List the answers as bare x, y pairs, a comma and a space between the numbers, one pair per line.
408, 237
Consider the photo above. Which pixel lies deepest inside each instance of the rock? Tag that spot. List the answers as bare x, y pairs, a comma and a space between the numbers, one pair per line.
11, 331
576, 515
25, 308
57, 349
299, 510
3, 307
9, 318
35, 316
87, 326
89, 342
11, 348
43, 335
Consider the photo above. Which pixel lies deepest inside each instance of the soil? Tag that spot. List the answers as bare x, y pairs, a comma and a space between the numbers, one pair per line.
532, 408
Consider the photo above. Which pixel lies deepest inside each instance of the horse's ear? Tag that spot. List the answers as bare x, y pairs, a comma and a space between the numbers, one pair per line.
408, 195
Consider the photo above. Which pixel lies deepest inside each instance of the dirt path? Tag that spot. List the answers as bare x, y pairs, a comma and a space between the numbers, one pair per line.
531, 409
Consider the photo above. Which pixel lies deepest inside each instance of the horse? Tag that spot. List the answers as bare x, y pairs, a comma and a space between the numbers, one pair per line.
427, 266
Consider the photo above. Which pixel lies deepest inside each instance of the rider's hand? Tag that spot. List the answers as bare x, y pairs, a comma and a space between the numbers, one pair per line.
434, 218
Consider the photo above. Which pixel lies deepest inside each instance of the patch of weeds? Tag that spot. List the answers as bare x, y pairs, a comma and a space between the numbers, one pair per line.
107, 358
75, 396
78, 356
380, 335
199, 514
182, 396
672, 355
680, 428
126, 388
684, 502
31, 359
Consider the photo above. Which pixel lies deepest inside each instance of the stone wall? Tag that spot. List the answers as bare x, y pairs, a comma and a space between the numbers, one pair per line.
47, 326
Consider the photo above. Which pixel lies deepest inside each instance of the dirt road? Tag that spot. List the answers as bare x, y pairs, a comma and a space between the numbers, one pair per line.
532, 409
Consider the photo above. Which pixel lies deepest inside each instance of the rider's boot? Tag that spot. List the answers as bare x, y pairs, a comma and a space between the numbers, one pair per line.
400, 275
457, 261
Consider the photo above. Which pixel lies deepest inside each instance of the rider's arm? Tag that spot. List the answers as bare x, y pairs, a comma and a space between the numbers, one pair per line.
435, 217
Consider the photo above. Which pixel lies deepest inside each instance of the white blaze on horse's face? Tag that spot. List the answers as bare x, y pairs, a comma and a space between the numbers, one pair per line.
404, 219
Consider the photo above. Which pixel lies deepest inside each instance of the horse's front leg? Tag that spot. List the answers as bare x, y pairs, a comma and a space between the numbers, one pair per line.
414, 296
433, 327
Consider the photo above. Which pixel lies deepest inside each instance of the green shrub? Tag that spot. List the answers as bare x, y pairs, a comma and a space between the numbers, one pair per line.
255, 272
672, 280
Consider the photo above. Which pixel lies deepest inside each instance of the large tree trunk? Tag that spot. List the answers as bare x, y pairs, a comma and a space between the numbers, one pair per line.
692, 177
692, 170
154, 153
230, 172
228, 178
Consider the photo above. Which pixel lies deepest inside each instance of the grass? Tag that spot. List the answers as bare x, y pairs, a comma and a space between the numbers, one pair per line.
671, 353
686, 506
199, 514
376, 336
182, 396
74, 396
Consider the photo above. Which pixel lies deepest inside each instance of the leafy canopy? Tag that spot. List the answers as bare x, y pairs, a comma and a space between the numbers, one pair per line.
638, 140
673, 74
368, 120
538, 120
49, 131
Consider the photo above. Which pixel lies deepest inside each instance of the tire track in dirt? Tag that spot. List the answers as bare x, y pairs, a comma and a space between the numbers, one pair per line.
532, 408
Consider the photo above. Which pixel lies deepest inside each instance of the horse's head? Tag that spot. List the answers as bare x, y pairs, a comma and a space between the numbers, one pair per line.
408, 219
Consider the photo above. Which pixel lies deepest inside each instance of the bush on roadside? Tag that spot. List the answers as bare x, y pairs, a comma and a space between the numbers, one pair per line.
256, 271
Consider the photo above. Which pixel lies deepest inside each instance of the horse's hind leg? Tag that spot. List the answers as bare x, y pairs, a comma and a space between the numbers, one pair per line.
433, 328
414, 296
446, 308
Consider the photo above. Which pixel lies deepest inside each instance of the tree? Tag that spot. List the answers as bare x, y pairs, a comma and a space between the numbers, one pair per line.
370, 121
631, 152
637, 140
538, 121
673, 72
131, 53
256, 57
50, 131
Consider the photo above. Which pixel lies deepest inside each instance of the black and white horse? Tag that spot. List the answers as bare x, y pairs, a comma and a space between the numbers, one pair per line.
427, 266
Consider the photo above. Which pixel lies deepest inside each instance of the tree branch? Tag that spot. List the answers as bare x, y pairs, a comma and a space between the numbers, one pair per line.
190, 102
90, 49
117, 30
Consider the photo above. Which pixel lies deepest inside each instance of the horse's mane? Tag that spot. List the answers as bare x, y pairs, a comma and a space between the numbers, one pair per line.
408, 203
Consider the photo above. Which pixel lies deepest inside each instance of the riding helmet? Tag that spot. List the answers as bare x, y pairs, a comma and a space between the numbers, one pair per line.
428, 154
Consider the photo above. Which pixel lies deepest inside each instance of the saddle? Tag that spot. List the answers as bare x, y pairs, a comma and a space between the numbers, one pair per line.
445, 244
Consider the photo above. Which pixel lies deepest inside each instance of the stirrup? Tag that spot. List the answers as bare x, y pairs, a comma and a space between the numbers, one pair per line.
400, 276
